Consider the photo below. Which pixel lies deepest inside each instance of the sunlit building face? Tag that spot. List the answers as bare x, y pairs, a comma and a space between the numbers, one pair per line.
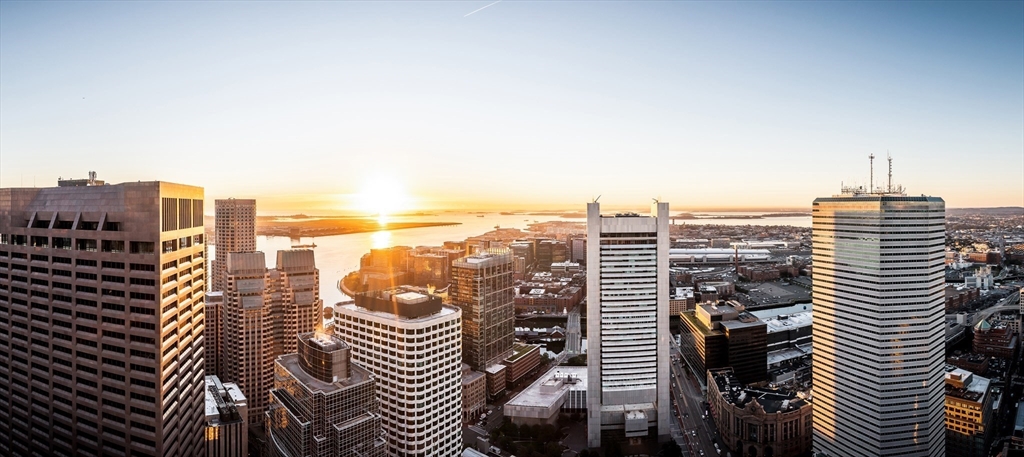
878, 325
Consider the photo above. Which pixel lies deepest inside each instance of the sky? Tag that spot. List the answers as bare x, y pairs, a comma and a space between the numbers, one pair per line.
322, 107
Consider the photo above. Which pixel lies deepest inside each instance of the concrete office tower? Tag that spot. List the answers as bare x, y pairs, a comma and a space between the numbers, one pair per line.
101, 320
482, 289
322, 405
262, 312
234, 231
627, 326
412, 345
878, 324
227, 432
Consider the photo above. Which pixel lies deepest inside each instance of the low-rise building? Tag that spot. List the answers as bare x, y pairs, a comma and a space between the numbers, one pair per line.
680, 299
968, 411
760, 422
227, 431
973, 362
497, 380
561, 389
994, 340
524, 359
758, 273
474, 394
957, 297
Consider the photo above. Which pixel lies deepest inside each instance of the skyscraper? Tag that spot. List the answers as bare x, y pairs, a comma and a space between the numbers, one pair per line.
410, 342
482, 289
263, 311
322, 404
627, 325
101, 319
878, 324
234, 231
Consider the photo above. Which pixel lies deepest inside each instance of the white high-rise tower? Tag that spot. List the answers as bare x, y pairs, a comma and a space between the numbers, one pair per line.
627, 325
878, 324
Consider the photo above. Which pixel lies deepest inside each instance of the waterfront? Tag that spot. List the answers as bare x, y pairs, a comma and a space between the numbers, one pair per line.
338, 255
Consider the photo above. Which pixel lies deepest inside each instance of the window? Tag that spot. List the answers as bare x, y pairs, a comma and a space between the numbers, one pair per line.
141, 247
111, 226
115, 306
169, 246
39, 241
142, 267
86, 245
61, 243
114, 265
113, 292
113, 246
85, 262
142, 282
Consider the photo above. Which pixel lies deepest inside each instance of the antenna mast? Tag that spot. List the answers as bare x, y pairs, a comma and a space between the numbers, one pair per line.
889, 158
871, 184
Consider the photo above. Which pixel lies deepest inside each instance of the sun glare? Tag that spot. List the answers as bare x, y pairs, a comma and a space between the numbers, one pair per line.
382, 197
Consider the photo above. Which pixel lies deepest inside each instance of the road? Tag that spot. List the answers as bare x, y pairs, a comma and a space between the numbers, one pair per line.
689, 409
1007, 304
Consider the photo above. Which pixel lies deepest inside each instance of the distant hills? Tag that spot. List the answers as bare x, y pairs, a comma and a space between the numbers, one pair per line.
998, 211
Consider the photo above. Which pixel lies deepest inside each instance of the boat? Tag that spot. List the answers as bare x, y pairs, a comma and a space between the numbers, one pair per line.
304, 246
479, 215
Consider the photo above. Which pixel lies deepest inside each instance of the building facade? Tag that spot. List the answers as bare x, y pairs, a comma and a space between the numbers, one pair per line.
878, 324
968, 413
263, 310
759, 422
482, 289
627, 326
322, 404
101, 320
411, 343
227, 431
234, 231
474, 394
718, 336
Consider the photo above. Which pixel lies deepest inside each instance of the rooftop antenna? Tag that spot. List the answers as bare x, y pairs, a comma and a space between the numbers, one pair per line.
889, 158
597, 198
871, 184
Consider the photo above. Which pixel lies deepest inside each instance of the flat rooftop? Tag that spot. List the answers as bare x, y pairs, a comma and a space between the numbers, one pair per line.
352, 307
291, 362
536, 395
974, 389
772, 400
782, 355
787, 322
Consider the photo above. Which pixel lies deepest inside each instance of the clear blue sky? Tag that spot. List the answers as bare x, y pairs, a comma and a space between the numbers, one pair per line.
522, 104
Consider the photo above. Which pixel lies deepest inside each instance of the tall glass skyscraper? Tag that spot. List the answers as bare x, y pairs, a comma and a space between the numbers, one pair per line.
878, 324
627, 325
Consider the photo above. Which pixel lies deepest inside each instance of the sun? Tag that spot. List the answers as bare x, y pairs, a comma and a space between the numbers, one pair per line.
382, 197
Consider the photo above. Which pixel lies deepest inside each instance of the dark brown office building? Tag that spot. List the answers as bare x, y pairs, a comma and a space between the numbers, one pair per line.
101, 320
718, 336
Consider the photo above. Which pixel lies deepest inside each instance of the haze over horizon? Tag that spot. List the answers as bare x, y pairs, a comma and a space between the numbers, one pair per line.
355, 107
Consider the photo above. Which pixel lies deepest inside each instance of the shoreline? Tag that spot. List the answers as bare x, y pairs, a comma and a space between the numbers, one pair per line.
339, 227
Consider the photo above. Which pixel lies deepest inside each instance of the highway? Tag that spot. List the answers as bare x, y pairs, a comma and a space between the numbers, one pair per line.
689, 410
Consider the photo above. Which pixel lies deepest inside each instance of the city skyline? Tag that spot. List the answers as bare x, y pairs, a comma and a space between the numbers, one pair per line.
315, 105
